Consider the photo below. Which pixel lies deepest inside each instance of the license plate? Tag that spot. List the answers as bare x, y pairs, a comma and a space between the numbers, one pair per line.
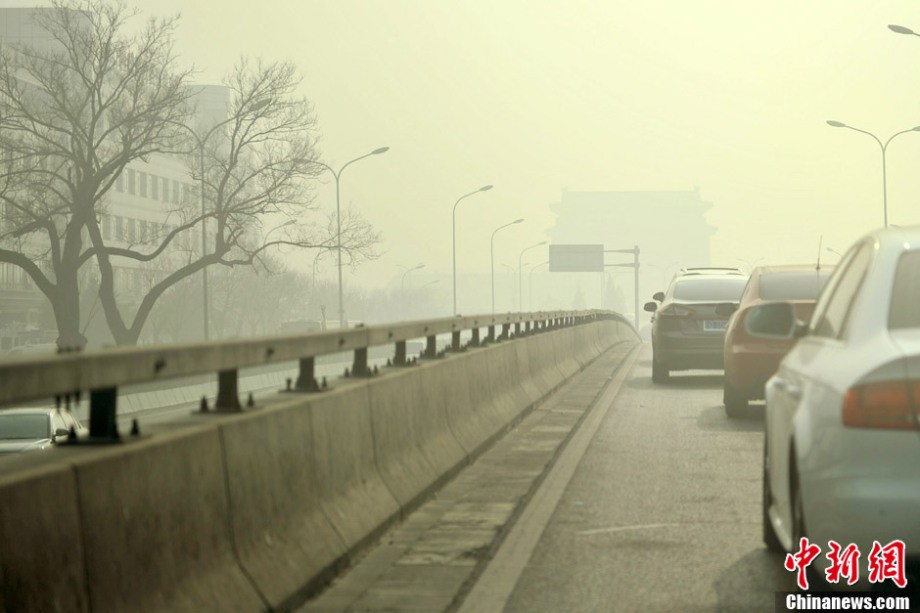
710, 325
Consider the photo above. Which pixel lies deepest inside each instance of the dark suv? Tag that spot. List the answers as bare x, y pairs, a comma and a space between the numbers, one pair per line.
688, 326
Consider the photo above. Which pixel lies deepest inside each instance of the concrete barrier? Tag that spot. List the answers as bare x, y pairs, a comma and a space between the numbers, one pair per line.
353, 496
41, 552
155, 527
280, 530
257, 510
396, 410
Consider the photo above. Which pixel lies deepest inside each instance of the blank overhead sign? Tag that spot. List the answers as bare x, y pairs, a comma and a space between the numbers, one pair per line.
576, 258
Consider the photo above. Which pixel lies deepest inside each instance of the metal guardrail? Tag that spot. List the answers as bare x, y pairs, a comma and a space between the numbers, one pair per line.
102, 371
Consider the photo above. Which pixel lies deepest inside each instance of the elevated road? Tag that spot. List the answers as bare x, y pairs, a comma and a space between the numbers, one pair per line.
649, 501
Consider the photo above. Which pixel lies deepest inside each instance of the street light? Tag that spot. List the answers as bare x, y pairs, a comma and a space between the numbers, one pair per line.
338, 220
530, 283
492, 257
484, 188
835, 252
884, 146
258, 105
902, 30
402, 285
520, 276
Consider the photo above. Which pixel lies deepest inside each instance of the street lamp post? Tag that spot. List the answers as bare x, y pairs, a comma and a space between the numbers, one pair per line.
521, 276
884, 147
484, 188
530, 283
402, 284
258, 105
338, 220
492, 257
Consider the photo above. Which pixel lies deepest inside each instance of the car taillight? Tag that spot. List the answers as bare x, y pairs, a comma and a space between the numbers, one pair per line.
676, 310
886, 404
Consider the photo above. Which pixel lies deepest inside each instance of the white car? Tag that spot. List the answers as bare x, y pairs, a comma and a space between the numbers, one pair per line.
842, 448
35, 429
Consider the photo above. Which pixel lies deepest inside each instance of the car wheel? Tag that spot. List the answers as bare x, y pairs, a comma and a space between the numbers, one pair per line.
660, 372
735, 403
769, 535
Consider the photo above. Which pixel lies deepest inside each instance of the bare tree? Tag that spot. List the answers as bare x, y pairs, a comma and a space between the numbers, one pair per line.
74, 111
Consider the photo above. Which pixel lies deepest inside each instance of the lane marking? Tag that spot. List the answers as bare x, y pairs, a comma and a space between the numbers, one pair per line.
624, 528
500, 576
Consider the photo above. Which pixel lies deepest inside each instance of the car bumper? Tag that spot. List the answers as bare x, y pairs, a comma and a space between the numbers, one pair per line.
747, 371
867, 489
683, 352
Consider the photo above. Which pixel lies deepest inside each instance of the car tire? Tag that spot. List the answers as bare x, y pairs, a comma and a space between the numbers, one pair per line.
769, 534
660, 372
735, 402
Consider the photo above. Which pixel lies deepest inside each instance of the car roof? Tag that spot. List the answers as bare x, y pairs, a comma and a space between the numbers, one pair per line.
710, 270
709, 277
765, 270
28, 411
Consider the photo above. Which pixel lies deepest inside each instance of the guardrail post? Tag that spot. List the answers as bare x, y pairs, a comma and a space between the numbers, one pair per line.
431, 347
506, 329
455, 341
400, 358
517, 328
228, 400
102, 409
475, 341
359, 366
490, 337
306, 376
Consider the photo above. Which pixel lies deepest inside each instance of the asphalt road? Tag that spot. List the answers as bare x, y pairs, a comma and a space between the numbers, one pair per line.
663, 511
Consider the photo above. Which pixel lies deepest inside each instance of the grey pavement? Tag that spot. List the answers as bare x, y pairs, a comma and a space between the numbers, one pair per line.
432, 559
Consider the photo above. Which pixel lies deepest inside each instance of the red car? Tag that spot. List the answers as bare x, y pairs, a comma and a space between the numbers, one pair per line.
749, 360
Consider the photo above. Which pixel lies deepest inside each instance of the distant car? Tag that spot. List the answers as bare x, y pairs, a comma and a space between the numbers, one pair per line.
710, 270
842, 431
34, 429
751, 360
687, 332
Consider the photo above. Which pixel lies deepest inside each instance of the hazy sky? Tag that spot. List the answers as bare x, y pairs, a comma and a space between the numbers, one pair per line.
724, 95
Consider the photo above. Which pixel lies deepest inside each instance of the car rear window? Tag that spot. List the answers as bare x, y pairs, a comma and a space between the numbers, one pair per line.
797, 285
905, 296
716, 290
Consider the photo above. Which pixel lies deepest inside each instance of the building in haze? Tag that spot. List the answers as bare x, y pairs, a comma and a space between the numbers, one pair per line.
669, 227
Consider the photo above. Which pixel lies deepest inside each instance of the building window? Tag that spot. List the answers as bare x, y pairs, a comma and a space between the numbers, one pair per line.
142, 183
120, 182
132, 182
106, 227
119, 228
143, 230
155, 187
165, 189
175, 192
132, 231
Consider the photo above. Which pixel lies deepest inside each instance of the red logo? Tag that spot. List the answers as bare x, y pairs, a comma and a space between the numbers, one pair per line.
800, 560
885, 562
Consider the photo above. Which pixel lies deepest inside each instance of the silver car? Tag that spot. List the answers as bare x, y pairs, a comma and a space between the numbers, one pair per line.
34, 429
842, 446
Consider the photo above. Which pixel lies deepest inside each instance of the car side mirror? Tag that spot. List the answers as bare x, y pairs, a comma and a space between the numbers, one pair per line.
659, 296
774, 320
61, 432
726, 308
651, 307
